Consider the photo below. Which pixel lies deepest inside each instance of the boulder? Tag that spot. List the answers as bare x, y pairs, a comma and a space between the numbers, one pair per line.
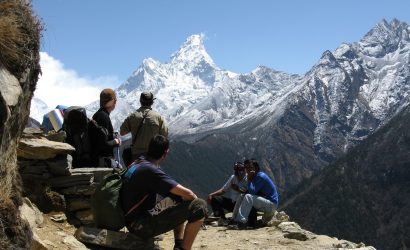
292, 230
31, 213
42, 149
114, 240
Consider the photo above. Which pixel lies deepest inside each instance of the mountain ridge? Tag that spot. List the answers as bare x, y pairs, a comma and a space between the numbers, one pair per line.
347, 95
369, 182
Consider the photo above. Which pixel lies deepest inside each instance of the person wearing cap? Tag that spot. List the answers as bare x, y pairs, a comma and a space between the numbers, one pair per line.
103, 143
143, 125
225, 197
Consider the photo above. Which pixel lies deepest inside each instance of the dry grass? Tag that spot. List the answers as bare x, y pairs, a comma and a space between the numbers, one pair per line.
20, 32
15, 233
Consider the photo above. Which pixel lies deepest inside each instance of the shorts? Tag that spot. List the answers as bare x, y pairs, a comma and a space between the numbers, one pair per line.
152, 225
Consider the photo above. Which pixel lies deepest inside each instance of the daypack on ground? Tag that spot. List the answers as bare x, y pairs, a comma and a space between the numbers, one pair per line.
76, 128
106, 203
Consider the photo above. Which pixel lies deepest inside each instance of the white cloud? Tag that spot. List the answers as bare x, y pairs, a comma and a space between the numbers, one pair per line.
58, 85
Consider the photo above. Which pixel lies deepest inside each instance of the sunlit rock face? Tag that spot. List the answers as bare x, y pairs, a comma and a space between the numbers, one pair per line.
19, 70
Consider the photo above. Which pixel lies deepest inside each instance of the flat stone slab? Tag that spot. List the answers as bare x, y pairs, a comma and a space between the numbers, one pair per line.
42, 149
77, 179
85, 190
98, 173
112, 239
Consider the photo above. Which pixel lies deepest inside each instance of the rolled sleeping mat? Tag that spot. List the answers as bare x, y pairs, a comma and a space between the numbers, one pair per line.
56, 119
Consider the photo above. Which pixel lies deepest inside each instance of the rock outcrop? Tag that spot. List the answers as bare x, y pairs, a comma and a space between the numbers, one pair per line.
19, 70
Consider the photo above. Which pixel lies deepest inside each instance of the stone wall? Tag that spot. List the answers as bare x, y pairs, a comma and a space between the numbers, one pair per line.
50, 181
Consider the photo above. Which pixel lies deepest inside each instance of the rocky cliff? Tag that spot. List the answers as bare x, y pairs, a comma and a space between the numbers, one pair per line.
19, 70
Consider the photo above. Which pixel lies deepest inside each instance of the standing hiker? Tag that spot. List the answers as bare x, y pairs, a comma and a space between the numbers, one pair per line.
102, 133
143, 125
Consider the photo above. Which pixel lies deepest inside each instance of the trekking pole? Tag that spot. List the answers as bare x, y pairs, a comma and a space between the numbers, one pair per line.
117, 156
117, 161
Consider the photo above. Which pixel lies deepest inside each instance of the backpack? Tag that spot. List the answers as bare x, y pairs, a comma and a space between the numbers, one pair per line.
76, 127
106, 200
106, 203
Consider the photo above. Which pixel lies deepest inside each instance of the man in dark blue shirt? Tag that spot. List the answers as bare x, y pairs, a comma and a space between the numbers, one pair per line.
261, 194
155, 203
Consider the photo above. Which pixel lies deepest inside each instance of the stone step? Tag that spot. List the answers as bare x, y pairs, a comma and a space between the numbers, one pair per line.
98, 173
77, 179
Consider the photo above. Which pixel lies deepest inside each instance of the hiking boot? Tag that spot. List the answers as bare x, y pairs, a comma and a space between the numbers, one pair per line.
177, 248
266, 219
232, 222
239, 226
213, 215
210, 218
214, 224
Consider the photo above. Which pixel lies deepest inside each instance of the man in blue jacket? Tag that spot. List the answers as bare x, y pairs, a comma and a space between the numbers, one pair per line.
261, 194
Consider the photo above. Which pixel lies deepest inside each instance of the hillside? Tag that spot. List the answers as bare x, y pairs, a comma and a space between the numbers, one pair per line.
364, 196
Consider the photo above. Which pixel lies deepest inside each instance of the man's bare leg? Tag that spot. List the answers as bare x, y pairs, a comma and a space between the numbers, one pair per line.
179, 232
191, 230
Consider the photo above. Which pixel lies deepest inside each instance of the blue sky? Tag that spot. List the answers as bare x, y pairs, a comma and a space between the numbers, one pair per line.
103, 42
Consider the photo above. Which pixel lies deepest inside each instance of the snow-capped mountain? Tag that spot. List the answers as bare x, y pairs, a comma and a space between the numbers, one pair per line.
177, 85
38, 108
194, 95
359, 86
294, 124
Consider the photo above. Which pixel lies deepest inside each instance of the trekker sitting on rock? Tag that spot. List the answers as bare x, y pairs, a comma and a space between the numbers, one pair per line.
225, 197
261, 195
157, 203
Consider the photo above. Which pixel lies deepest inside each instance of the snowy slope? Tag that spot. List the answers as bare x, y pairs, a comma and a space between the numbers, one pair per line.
194, 95
37, 109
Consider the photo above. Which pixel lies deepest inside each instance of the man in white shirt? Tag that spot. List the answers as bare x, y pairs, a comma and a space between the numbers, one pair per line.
225, 197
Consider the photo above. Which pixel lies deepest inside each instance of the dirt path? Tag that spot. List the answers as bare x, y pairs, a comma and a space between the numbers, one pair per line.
59, 235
